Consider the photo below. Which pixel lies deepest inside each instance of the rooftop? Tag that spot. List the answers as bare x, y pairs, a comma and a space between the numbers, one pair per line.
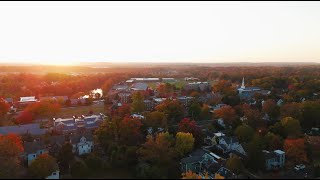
33, 129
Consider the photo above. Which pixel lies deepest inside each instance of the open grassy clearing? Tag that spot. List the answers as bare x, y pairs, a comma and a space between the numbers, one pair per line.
80, 110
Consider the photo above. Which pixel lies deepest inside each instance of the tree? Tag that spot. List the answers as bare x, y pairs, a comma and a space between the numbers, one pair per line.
94, 163
11, 148
156, 120
277, 128
123, 110
79, 170
310, 114
43, 166
191, 175
173, 109
205, 112
158, 152
291, 110
270, 107
195, 110
244, 133
44, 108
255, 155
273, 141
253, 116
295, 151
130, 131
137, 105
291, 126
227, 113
25, 117
184, 143
234, 164
68, 102
4, 107
188, 126
65, 156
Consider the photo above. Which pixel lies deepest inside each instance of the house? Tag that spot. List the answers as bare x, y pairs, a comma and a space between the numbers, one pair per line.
165, 80
77, 123
224, 173
125, 97
247, 93
221, 122
191, 79
274, 160
32, 150
139, 87
33, 129
202, 86
9, 101
25, 101
54, 98
197, 160
211, 139
82, 143
54, 175
280, 102
185, 100
139, 116
145, 79
148, 104
158, 101
227, 144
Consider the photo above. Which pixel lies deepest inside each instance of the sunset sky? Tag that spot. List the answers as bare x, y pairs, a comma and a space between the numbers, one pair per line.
209, 32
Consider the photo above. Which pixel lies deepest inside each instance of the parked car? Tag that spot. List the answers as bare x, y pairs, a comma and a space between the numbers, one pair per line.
299, 167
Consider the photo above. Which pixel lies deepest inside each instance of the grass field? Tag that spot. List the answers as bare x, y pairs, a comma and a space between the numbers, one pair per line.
80, 110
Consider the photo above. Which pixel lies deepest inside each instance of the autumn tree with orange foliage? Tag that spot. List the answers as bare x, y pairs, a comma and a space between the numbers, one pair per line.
188, 126
227, 113
130, 131
11, 148
25, 117
123, 110
4, 107
173, 110
295, 151
191, 175
44, 109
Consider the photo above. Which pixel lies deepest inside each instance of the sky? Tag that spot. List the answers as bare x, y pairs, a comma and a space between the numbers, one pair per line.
207, 32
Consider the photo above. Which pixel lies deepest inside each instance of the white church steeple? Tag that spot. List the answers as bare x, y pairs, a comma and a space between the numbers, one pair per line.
242, 85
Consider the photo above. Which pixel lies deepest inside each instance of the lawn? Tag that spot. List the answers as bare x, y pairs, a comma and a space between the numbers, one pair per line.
80, 110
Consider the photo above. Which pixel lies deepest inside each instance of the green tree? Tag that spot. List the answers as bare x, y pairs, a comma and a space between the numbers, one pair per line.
159, 154
273, 141
43, 166
184, 143
195, 110
205, 112
173, 109
156, 120
137, 105
291, 126
270, 107
79, 170
94, 163
235, 164
244, 133
65, 156
255, 155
